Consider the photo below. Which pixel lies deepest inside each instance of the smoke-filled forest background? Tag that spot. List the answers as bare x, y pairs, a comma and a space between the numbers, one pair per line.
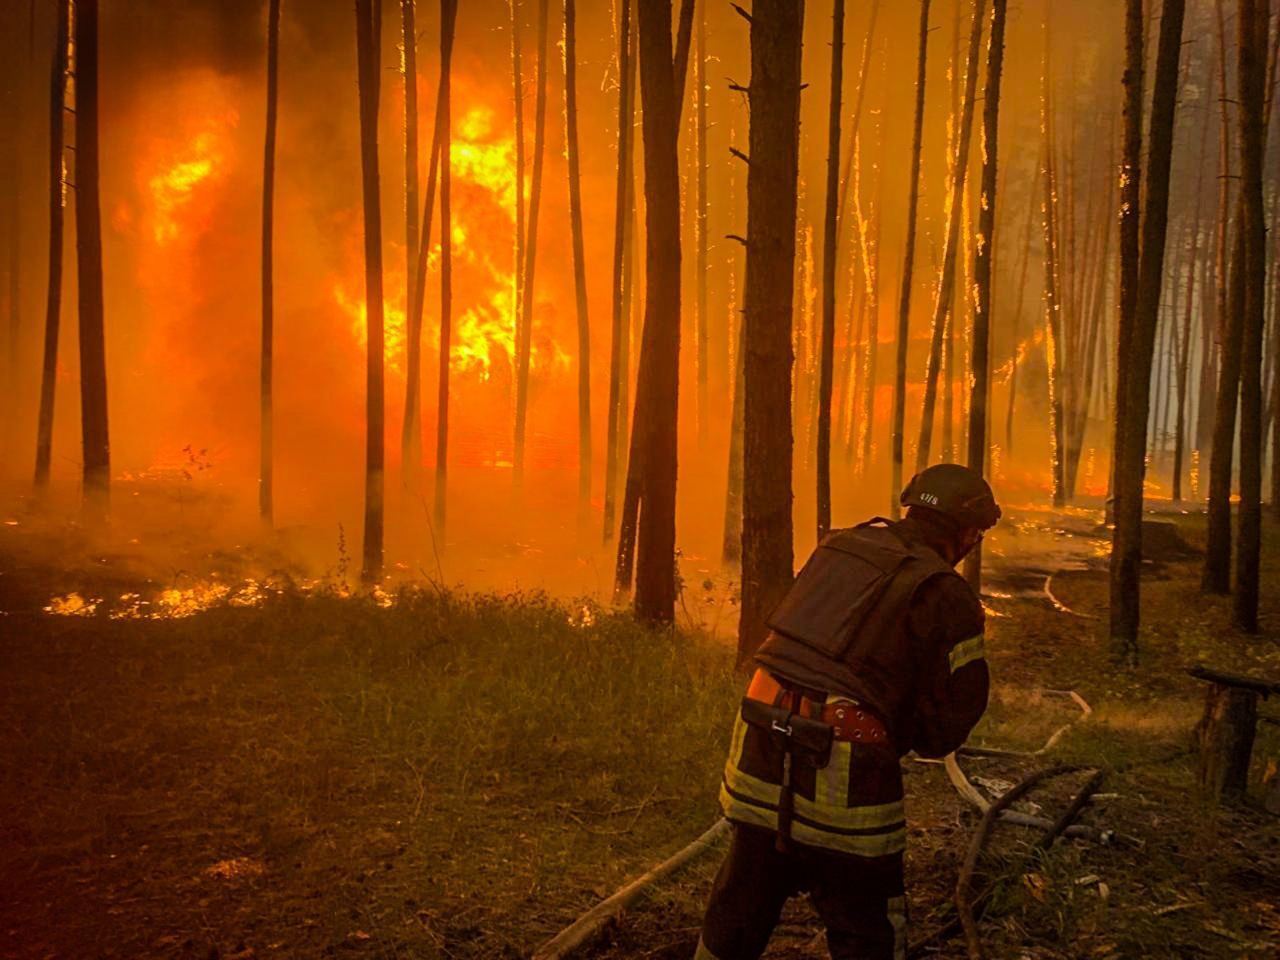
182, 101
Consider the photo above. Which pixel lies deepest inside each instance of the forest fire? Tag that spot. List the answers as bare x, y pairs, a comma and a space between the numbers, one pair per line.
171, 189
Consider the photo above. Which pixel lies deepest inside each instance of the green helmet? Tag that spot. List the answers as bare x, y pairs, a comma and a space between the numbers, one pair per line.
956, 492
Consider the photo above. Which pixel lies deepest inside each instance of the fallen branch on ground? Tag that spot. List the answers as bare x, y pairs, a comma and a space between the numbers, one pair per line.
963, 906
591, 924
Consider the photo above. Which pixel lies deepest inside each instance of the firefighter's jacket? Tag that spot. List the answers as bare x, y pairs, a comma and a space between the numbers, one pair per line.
879, 618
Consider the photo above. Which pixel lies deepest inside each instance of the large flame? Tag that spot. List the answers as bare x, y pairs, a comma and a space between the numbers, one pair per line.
172, 187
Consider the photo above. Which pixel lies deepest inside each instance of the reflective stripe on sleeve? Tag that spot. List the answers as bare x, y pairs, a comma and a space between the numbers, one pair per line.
966, 651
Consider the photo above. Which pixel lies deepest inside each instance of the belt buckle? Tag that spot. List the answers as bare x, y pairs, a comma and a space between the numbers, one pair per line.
784, 729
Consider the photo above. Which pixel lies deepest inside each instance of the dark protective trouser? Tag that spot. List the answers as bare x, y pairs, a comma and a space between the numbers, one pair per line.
860, 900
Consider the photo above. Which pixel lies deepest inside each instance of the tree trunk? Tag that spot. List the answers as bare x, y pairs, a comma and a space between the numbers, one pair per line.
53, 298
1254, 24
1015, 353
651, 474
1226, 733
621, 235
409, 62
448, 18
700, 227
904, 301
731, 548
1126, 550
947, 275
983, 252
1184, 359
266, 473
411, 438
579, 255
831, 227
1054, 340
524, 344
871, 301
517, 91
93, 358
368, 42
776, 32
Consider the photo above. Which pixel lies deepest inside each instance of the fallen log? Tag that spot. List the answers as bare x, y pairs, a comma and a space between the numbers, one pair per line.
584, 931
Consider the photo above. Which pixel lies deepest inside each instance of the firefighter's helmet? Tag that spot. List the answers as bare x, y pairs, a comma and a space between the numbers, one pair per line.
958, 493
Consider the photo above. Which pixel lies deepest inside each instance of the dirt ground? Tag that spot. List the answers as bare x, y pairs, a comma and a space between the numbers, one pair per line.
293, 772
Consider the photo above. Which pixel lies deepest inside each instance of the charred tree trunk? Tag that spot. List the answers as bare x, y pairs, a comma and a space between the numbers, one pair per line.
648, 522
1226, 733
731, 549
1014, 357
831, 226
1254, 24
776, 32
265, 470
904, 301
1126, 550
448, 18
53, 297
368, 36
619, 332
947, 275
524, 345
983, 253
93, 358
579, 255
517, 92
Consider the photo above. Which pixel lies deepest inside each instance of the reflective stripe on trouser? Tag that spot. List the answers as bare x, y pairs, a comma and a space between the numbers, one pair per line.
859, 900
829, 808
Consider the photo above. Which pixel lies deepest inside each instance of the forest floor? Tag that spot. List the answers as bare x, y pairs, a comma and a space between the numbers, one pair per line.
274, 769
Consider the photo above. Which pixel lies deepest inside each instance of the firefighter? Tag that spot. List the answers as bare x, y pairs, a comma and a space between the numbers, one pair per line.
875, 651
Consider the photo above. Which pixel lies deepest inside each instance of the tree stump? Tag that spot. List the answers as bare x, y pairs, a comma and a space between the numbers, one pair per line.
1225, 734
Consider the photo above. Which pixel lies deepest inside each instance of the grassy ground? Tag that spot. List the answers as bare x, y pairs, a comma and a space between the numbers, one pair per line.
459, 776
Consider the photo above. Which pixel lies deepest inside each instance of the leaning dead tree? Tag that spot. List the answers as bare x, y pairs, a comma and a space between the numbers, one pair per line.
947, 275
904, 301
265, 455
830, 231
448, 17
646, 541
93, 356
984, 252
53, 297
772, 175
1138, 329
524, 331
369, 67
579, 254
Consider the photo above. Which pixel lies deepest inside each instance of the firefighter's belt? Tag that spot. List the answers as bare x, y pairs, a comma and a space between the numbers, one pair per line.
849, 720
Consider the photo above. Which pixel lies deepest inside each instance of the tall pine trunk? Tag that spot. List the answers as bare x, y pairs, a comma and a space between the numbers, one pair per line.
908, 263
947, 276
651, 476
984, 251
524, 345
1131, 432
1253, 29
619, 328
772, 178
579, 254
53, 296
266, 509
448, 18
700, 229
409, 73
831, 225
1055, 342
93, 358
368, 43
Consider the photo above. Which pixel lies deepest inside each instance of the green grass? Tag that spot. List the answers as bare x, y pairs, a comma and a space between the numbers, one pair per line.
459, 776
367, 770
